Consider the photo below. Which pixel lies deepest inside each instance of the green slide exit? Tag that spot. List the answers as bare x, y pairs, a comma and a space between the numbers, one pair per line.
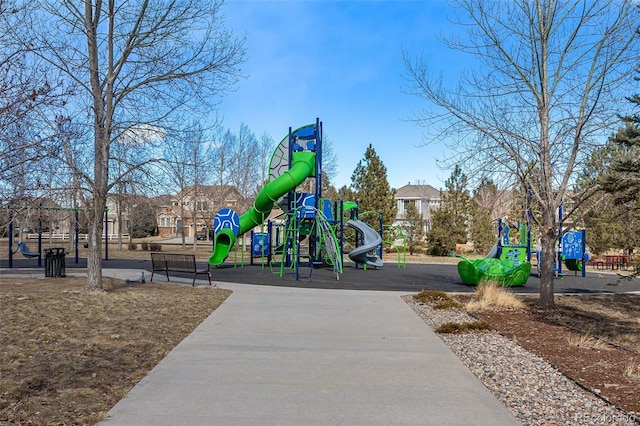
302, 166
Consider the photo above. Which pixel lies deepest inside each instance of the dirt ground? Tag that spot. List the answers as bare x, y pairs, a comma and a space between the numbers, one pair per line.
594, 340
68, 355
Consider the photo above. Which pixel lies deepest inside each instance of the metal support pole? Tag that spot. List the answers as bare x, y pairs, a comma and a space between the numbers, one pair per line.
40, 237
77, 235
106, 234
10, 238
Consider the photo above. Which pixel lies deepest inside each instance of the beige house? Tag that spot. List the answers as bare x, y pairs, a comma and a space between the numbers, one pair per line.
193, 209
426, 198
117, 215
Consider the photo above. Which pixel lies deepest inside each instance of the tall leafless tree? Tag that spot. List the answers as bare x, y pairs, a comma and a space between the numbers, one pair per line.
547, 88
134, 64
187, 160
27, 94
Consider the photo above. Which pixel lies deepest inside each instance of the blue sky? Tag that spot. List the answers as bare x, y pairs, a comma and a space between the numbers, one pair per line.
340, 61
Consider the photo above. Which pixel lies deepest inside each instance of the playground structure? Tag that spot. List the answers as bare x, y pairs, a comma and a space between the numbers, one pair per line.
572, 252
310, 232
73, 238
508, 262
503, 272
514, 242
570, 249
370, 240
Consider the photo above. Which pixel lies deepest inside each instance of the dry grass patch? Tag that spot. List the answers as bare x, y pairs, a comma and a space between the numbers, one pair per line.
588, 341
69, 355
616, 318
447, 304
431, 296
490, 295
437, 299
632, 371
464, 327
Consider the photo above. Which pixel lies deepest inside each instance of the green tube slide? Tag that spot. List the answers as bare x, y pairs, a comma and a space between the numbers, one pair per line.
302, 166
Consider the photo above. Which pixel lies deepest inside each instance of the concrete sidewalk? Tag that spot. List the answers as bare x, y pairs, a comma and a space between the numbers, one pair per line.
291, 356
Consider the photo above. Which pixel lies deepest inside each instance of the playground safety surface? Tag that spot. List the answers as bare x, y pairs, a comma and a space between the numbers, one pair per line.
412, 278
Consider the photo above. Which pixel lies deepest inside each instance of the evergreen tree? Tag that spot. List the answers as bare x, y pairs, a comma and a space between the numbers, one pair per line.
346, 194
622, 177
439, 239
620, 182
482, 229
143, 222
370, 184
413, 228
450, 222
328, 190
610, 214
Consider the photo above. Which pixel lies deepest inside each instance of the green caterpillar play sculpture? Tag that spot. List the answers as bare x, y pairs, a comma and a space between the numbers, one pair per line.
503, 272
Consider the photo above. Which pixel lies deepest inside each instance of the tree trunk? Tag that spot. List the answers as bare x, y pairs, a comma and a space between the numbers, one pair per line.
94, 257
101, 155
548, 243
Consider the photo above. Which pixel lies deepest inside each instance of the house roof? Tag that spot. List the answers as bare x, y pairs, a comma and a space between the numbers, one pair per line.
224, 191
163, 200
417, 191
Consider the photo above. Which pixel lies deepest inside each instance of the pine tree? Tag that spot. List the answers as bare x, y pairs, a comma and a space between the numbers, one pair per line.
610, 215
328, 190
482, 230
457, 203
371, 186
623, 174
439, 239
413, 228
346, 194
450, 222
620, 182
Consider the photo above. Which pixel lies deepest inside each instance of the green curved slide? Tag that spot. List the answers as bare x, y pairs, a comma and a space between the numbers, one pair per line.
302, 166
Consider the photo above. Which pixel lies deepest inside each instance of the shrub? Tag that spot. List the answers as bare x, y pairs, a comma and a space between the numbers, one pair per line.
133, 246
447, 304
431, 296
155, 247
465, 327
144, 246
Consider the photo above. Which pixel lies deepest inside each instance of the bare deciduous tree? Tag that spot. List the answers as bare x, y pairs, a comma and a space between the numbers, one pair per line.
134, 64
27, 93
188, 158
548, 87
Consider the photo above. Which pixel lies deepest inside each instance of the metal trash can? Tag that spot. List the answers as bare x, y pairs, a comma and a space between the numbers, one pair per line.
54, 262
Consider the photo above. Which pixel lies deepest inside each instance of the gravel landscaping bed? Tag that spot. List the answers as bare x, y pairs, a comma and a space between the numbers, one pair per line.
535, 391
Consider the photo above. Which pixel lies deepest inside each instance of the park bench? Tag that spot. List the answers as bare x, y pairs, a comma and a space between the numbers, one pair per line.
177, 262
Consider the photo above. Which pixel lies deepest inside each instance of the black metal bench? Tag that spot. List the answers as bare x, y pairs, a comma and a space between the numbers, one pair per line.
177, 262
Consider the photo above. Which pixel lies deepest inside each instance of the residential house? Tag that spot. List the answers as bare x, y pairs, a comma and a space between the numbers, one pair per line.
121, 209
193, 209
426, 198
117, 215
